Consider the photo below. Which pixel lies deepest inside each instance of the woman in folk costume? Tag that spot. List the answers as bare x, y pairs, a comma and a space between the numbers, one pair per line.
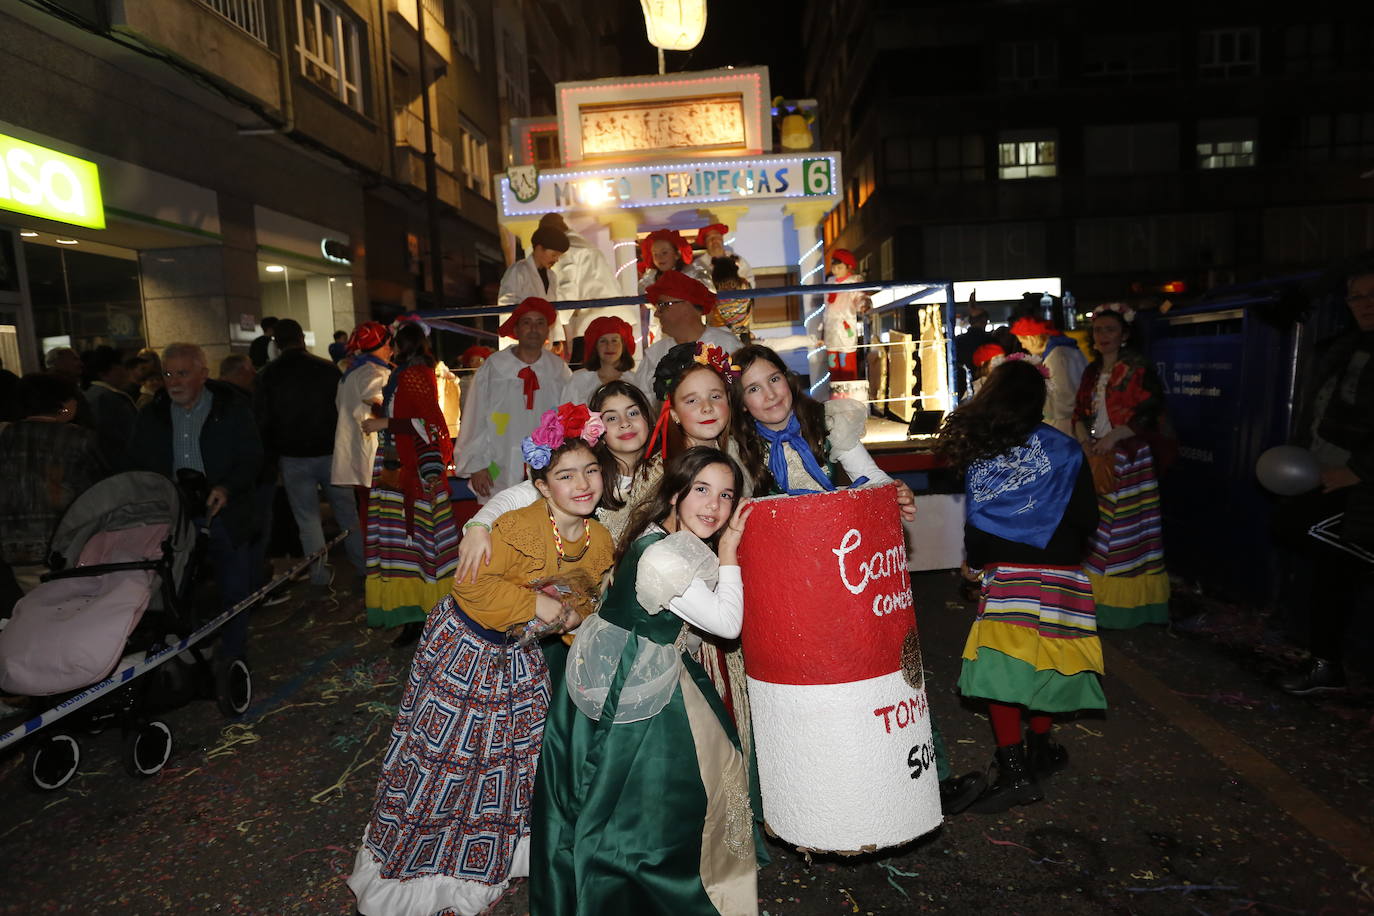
451, 820
663, 250
840, 326
411, 543
799, 445
608, 353
642, 803
1117, 418
1030, 507
509, 393
625, 414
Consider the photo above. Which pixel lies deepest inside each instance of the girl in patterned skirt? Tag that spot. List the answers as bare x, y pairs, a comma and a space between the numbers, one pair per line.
450, 822
1033, 650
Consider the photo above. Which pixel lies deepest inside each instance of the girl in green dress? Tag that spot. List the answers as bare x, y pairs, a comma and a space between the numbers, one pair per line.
642, 802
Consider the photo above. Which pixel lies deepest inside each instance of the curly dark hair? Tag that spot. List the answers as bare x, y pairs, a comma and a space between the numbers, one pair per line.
677, 479
998, 418
753, 451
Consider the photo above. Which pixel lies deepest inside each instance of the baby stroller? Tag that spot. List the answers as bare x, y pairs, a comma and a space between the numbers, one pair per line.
117, 606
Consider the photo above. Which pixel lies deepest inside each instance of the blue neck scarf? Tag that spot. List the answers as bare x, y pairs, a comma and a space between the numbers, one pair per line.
777, 457
1021, 495
1058, 340
363, 358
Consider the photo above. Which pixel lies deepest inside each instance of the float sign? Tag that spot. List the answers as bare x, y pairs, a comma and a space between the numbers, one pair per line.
43, 182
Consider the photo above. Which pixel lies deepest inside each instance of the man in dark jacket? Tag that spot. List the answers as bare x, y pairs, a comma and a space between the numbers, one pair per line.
260, 350
202, 426
297, 416
111, 405
1338, 425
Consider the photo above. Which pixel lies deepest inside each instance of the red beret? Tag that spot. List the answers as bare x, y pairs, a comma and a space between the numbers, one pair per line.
474, 352
1030, 326
608, 324
986, 353
367, 337
673, 284
532, 304
845, 256
704, 231
670, 236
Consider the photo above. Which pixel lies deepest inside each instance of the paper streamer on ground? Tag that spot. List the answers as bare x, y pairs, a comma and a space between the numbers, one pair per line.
842, 734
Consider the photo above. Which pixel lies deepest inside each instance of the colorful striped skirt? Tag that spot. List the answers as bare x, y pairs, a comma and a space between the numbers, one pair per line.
451, 818
410, 561
1035, 642
1126, 554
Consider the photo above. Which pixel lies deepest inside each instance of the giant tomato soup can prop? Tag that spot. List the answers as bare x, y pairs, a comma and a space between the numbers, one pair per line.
841, 726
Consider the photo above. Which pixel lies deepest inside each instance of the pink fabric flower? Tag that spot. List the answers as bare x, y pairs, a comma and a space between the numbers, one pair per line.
594, 428
549, 432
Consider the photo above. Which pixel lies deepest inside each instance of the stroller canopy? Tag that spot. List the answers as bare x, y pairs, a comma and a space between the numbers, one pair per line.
127, 500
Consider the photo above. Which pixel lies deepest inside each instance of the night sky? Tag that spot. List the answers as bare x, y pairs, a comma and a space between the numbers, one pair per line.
739, 33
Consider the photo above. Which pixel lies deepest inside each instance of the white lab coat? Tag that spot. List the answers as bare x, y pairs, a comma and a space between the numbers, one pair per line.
520, 282
585, 274
495, 419
354, 450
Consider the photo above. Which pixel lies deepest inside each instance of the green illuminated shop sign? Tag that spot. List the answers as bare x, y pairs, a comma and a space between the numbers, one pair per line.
43, 182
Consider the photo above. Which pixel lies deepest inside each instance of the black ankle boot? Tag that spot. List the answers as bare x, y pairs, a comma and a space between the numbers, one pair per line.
1044, 755
409, 635
1014, 785
958, 792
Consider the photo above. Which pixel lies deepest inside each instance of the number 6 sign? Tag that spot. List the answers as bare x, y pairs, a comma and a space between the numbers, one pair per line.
816, 177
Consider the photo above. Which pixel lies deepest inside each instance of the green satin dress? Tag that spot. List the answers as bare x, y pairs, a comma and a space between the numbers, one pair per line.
642, 817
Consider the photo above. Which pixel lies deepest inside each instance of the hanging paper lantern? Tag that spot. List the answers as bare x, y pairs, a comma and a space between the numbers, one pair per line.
674, 25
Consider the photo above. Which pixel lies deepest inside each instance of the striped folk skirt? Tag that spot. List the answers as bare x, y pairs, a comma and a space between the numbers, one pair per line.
451, 819
1126, 554
410, 561
1035, 642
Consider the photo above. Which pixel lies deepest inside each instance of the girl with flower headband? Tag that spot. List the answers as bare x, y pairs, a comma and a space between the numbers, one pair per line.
1118, 416
693, 383
450, 822
1030, 507
625, 414
642, 801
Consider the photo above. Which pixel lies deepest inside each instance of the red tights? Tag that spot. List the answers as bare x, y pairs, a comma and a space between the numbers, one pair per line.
1006, 723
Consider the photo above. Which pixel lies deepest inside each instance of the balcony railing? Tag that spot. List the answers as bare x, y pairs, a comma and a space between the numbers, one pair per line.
410, 131
248, 15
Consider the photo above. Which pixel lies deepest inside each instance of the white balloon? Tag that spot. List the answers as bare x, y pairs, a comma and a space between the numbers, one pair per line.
1288, 470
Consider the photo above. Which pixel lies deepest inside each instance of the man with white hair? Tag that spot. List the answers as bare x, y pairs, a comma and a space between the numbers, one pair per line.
199, 428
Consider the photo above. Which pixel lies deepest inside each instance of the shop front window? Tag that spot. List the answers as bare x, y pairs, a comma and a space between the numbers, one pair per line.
83, 298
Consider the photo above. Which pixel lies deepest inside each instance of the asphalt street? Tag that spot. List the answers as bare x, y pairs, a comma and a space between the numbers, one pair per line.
1202, 790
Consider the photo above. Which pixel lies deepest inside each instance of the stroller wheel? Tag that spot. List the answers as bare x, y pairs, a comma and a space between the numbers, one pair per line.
147, 748
54, 761
234, 688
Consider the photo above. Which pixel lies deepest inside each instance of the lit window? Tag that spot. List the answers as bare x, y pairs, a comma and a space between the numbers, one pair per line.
1226, 143
328, 40
476, 161
1228, 53
1026, 157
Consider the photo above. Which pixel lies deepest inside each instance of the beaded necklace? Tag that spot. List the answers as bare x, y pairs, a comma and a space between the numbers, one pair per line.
558, 540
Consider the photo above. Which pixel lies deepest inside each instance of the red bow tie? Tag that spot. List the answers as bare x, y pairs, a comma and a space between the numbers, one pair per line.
531, 386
